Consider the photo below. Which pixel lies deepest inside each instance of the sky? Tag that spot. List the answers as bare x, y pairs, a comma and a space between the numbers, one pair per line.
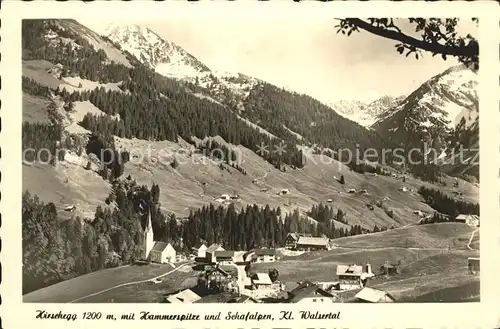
306, 56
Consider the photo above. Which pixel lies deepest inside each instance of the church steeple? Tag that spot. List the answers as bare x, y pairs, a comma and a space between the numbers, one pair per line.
148, 241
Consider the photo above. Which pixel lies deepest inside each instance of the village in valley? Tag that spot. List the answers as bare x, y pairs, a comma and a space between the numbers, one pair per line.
176, 182
227, 276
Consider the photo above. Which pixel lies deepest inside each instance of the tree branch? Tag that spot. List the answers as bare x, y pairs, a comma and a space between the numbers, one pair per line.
472, 50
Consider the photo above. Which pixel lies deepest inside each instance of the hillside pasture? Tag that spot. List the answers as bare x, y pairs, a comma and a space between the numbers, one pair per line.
439, 235
87, 284
198, 180
35, 109
434, 259
146, 292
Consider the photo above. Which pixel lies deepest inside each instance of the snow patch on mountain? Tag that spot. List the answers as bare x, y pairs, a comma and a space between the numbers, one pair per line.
165, 57
440, 103
365, 114
170, 60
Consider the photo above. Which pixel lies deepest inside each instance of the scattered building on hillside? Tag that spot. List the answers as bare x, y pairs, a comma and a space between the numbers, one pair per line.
163, 252
370, 295
209, 252
262, 255
70, 208
353, 276
390, 269
403, 189
292, 238
199, 249
473, 265
310, 243
329, 200
471, 220
261, 281
307, 292
223, 257
183, 297
351, 191
284, 191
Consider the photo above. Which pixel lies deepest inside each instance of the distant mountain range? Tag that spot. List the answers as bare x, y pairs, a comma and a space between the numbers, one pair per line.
442, 111
432, 111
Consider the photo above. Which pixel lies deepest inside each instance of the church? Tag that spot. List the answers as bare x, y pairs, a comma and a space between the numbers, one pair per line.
156, 251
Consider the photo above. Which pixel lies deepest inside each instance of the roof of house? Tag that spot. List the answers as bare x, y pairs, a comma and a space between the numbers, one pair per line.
160, 246
313, 241
262, 278
243, 299
213, 247
372, 295
354, 270
474, 258
465, 217
199, 245
261, 252
223, 253
218, 269
306, 289
185, 296
293, 235
240, 257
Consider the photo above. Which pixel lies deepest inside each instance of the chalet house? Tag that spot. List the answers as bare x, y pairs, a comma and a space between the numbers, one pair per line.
353, 276
262, 255
218, 277
370, 295
199, 249
184, 297
209, 252
308, 292
291, 239
310, 243
261, 281
389, 269
162, 252
471, 220
223, 257
473, 265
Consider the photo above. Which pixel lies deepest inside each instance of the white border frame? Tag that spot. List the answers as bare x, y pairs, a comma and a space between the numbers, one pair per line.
485, 314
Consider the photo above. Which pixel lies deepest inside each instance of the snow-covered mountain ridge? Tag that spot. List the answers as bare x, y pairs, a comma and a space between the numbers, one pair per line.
435, 109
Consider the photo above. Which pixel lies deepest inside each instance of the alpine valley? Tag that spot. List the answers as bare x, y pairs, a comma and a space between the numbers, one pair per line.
140, 128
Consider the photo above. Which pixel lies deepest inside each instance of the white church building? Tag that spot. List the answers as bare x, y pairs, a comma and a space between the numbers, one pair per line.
156, 251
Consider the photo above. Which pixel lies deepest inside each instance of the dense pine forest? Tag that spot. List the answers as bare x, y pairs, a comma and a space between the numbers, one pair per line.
55, 250
446, 204
154, 107
149, 106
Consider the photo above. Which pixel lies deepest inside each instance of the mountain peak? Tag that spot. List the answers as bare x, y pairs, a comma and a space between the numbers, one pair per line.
163, 56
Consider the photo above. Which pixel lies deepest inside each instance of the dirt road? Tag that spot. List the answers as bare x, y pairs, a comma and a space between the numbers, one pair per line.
132, 283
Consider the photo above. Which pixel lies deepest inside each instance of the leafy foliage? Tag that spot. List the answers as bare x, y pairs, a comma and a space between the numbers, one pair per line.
437, 36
